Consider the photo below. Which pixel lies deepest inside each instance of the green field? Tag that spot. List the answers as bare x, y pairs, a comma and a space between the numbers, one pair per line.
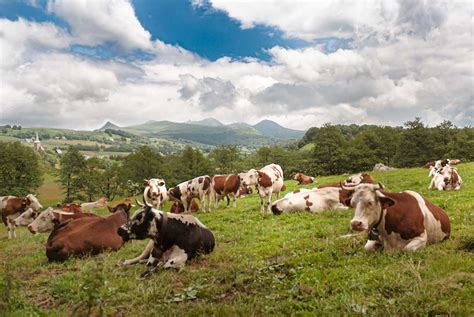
292, 264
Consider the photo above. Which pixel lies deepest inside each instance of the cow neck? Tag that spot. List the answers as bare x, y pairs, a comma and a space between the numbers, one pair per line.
374, 231
119, 217
163, 223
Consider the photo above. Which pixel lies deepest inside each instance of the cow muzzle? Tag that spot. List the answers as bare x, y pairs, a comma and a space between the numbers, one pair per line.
30, 228
275, 210
357, 225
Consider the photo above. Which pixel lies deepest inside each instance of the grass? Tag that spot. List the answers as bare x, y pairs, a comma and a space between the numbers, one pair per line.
296, 264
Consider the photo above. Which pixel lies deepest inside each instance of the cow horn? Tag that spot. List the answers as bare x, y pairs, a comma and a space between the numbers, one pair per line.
348, 188
140, 203
146, 204
379, 186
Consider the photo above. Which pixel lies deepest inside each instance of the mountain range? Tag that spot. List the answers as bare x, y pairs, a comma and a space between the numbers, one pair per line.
211, 132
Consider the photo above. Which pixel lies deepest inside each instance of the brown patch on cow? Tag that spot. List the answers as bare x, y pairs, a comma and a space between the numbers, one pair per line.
71, 208
404, 216
264, 180
366, 178
303, 179
338, 184
200, 180
218, 182
441, 216
429, 164
296, 191
232, 184
12, 206
207, 183
454, 178
345, 197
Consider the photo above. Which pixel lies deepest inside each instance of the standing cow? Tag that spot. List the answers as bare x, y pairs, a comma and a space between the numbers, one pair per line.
11, 207
155, 193
267, 181
397, 221
198, 187
224, 186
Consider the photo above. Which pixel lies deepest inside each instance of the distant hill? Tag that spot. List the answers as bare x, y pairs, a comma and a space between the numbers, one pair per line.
273, 129
108, 125
208, 122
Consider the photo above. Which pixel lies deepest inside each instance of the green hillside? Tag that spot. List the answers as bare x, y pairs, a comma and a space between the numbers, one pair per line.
294, 264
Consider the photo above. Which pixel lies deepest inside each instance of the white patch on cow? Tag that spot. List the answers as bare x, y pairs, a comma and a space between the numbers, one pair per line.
34, 203
320, 199
174, 257
432, 225
25, 218
43, 223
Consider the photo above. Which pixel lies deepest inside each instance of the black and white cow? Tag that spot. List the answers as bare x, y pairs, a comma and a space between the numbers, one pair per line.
176, 238
198, 187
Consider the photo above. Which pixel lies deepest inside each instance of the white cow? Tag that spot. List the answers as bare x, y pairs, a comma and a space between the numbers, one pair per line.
155, 193
312, 200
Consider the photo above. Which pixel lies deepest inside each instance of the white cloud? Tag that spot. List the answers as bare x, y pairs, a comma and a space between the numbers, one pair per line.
102, 22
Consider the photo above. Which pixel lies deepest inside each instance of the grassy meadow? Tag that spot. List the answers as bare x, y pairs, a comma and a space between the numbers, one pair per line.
292, 264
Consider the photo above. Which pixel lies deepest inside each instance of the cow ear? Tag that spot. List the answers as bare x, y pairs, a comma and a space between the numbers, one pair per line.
110, 209
384, 200
145, 182
259, 173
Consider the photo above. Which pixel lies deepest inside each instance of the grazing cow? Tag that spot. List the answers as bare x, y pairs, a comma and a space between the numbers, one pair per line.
11, 207
312, 200
176, 238
224, 186
244, 191
303, 179
155, 192
87, 235
49, 218
198, 187
177, 207
362, 178
268, 180
397, 221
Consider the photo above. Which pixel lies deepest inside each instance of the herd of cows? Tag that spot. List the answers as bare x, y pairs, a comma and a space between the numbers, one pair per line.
395, 221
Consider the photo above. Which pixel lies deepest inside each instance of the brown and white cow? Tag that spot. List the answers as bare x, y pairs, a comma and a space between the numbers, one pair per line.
177, 207
446, 178
361, 178
225, 186
49, 218
397, 221
199, 187
303, 179
312, 200
267, 181
155, 192
11, 207
87, 235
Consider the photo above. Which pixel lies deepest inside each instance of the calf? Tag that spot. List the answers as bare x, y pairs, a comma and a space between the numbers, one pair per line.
155, 193
198, 187
176, 238
267, 181
224, 186
303, 179
87, 235
397, 221
312, 200
11, 207
178, 207
49, 218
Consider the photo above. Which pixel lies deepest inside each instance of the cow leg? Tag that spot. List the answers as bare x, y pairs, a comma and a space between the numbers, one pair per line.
416, 243
234, 198
185, 204
228, 200
217, 197
152, 263
143, 256
208, 194
176, 259
262, 203
372, 245
11, 230
269, 202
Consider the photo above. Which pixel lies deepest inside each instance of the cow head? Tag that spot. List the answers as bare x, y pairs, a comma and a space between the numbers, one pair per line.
279, 206
44, 222
125, 208
25, 218
140, 226
298, 176
249, 178
368, 202
33, 202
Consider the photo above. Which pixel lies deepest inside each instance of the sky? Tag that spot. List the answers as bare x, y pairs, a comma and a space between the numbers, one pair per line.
77, 64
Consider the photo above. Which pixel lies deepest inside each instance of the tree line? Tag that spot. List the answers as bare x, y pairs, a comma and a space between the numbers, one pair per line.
330, 149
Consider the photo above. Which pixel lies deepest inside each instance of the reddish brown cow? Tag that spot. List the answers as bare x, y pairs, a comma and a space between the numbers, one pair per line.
303, 179
244, 191
224, 186
88, 235
178, 207
362, 178
50, 218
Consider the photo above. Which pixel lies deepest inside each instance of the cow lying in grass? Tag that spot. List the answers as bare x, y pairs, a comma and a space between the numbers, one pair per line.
397, 221
312, 200
176, 238
178, 207
446, 178
354, 180
11, 207
87, 235
303, 179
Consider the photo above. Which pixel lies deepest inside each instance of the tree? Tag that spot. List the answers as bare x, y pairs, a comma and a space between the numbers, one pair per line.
144, 163
20, 172
92, 177
329, 151
72, 165
416, 145
225, 158
111, 185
